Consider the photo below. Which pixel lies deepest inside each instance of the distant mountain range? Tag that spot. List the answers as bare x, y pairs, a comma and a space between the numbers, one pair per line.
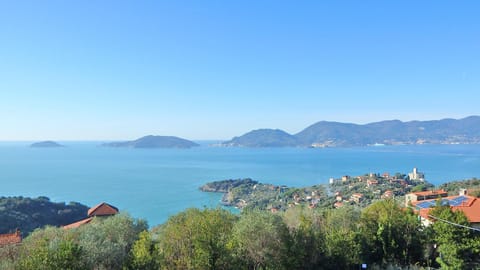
154, 142
392, 132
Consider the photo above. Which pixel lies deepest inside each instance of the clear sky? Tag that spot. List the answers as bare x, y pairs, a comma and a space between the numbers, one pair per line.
110, 70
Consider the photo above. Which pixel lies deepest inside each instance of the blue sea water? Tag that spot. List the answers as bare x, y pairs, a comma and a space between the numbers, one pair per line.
157, 183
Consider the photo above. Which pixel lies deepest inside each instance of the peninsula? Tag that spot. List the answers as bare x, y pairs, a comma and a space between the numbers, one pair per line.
154, 142
46, 144
392, 132
359, 190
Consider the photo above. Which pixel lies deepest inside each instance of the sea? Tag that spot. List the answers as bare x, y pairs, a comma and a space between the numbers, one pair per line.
154, 184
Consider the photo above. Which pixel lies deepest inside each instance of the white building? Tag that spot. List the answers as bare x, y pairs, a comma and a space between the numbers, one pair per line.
416, 175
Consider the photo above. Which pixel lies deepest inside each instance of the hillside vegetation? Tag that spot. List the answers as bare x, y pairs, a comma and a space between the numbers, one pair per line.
27, 214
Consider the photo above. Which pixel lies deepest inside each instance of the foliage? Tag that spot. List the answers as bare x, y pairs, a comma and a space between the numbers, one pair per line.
103, 244
143, 253
342, 243
260, 240
390, 234
196, 239
107, 241
226, 185
455, 186
458, 247
50, 248
28, 214
307, 249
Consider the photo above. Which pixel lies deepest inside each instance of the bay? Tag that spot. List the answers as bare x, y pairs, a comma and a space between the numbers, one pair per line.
157, 183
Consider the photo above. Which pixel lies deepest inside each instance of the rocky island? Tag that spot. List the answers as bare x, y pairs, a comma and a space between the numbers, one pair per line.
46, 144
154, 142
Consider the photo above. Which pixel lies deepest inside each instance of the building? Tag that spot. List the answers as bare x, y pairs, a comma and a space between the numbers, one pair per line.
416, 175
372, 182
10, 238
469, 205
357, 197
387, 194
99, 210
424, 195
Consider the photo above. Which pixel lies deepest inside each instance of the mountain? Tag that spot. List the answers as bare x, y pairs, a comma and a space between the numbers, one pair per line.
391, 132
46, 144
154, 142
264, 138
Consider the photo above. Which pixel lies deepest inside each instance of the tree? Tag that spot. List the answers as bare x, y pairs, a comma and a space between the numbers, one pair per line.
143, 253
50, 248
307, 241
390, 234
260, 240
342, 242
458, 247
107, 241
196, 239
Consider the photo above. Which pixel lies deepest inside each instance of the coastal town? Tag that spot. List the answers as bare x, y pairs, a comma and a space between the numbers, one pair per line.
410, 190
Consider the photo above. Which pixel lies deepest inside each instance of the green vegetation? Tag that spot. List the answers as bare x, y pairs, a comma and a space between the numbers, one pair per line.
249, 194
26, 214
473, 185
381, 235
105, 243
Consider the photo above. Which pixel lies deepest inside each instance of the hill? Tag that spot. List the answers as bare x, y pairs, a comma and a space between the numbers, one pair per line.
264, 138
392, 132
155, 142
28, 214
46, 144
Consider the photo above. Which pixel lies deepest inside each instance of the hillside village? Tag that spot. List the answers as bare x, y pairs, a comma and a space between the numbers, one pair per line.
410, 190
359, 190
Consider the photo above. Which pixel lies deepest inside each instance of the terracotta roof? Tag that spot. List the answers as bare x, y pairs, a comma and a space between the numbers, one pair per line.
10, 238
78, 223
470, 207
102, 209
430, 192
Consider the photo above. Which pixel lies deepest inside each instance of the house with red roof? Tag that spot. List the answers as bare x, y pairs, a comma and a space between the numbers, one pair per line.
469, 205
424, 195
10, 238
100, 210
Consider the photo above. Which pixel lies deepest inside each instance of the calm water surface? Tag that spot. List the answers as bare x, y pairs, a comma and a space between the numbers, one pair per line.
156, 183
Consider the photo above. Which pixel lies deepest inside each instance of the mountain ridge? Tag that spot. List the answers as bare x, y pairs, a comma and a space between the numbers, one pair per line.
387, 132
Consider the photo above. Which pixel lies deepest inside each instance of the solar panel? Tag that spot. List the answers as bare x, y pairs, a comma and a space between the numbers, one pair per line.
458, 200
426, 204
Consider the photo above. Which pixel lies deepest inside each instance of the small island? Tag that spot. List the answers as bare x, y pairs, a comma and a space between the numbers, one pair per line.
154, 142
46, 144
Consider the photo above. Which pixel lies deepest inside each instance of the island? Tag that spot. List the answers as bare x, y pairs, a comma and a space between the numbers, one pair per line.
151, 141
391, 132
46, 144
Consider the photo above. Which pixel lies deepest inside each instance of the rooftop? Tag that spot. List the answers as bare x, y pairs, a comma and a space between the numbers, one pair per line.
469, 205
10, 238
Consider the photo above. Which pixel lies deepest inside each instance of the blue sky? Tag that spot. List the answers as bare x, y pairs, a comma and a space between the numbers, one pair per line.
110, 70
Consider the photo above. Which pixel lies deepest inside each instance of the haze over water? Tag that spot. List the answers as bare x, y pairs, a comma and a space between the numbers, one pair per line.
157, 183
